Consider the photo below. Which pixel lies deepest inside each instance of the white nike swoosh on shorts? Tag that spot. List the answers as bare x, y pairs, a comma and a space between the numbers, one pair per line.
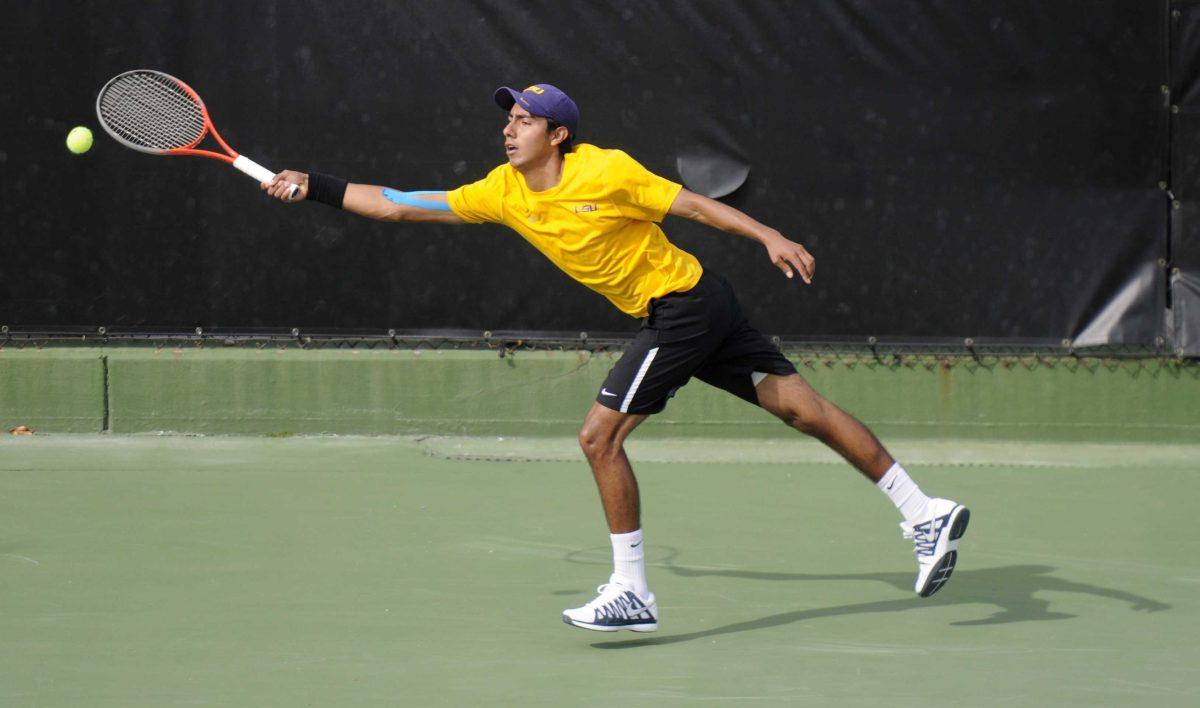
606, 392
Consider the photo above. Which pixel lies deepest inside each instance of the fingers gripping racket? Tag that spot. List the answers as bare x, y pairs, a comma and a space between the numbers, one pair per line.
156, 113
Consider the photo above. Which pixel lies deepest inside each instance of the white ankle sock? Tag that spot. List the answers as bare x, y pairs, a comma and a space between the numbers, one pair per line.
903, 492
629, 561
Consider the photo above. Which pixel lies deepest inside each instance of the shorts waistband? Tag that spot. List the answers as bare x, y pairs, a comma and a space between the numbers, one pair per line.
707, 280
710, 283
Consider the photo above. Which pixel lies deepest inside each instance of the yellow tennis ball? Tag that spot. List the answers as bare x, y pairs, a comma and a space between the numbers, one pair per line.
79, 140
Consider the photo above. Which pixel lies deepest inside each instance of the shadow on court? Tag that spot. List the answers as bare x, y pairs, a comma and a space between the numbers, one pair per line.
1011, 588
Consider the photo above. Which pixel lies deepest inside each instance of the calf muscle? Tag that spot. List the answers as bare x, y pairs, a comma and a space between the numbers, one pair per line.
793, 401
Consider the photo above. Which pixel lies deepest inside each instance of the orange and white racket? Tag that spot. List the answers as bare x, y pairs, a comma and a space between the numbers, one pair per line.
156, 113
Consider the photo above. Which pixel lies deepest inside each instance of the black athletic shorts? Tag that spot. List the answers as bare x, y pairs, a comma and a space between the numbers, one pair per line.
700, 332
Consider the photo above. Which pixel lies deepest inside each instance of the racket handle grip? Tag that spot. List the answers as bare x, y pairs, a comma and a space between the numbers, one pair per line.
253, 169
260, 173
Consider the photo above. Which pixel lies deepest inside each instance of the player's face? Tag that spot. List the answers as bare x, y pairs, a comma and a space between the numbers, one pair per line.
526, 138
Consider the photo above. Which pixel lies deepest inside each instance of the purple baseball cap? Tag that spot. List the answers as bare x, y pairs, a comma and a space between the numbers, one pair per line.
542, 100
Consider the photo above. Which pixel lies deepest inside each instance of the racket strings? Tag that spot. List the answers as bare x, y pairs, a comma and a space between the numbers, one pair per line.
158, 110
148, 123
152, 111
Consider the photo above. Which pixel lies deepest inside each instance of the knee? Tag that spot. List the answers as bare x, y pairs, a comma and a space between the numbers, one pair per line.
808, 417
597, 441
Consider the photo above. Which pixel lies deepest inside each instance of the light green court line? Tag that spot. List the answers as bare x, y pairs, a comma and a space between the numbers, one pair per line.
690, 451
802, 450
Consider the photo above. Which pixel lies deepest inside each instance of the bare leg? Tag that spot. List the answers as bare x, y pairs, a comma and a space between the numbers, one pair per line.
794, 402
625, 601
602, 439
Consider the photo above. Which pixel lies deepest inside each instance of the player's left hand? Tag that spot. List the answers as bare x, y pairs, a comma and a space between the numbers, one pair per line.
790, 257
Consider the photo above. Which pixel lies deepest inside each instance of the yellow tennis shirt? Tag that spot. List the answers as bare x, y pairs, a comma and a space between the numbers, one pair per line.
598, 224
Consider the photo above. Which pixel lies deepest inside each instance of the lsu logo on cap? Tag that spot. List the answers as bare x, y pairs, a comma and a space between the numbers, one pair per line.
535, 89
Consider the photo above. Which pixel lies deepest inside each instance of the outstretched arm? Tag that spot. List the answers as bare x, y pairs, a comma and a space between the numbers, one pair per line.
373, 201
785, 254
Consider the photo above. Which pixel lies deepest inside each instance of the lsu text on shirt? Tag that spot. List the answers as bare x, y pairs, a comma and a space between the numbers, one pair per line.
598, 225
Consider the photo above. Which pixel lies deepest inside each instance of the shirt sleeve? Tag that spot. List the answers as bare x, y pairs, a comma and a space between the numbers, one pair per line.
481, 201
639, 193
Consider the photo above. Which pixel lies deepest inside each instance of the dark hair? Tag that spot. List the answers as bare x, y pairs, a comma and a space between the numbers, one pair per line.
565, 146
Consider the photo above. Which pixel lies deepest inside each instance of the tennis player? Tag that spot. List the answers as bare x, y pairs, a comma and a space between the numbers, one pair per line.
595, 212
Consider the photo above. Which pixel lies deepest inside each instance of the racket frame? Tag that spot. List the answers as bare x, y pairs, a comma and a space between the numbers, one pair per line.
233, 157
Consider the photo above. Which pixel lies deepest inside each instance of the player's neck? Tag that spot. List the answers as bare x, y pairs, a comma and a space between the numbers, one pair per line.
545, 174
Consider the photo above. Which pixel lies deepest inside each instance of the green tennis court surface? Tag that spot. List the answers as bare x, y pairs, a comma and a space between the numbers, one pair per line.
431, 571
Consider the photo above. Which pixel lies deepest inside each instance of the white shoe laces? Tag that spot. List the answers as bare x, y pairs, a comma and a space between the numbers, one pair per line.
612, 603
924, 535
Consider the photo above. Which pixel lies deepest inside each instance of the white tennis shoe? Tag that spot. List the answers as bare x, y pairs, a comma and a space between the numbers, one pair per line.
935, 541
615, 608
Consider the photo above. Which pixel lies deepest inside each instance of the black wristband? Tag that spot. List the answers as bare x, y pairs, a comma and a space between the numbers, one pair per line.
326, 189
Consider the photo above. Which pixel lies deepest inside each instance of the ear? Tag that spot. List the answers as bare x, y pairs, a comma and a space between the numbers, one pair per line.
559, 135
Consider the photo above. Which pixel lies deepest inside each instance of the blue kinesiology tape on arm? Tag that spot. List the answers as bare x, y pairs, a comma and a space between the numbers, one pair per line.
414, 199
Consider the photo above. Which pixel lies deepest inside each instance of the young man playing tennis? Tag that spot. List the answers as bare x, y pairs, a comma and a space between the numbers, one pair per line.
594, 213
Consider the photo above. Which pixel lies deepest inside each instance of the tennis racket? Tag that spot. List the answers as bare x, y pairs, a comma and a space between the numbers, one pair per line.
156, 113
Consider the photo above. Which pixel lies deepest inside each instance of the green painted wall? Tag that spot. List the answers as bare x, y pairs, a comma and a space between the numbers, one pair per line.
58, 390
275, 391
